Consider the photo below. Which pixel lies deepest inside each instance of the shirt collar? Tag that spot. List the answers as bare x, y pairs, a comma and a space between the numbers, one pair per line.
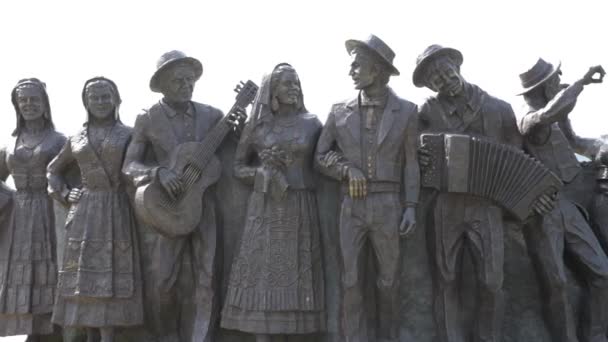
471, 98
172, 112
377, 101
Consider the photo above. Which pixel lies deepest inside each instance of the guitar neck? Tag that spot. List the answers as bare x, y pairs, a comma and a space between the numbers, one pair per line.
213, 140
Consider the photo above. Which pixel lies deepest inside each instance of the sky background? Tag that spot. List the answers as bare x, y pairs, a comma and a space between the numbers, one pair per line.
64, 43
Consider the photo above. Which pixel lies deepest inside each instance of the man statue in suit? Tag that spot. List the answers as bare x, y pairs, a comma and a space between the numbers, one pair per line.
181, 294
461, 220
369, 145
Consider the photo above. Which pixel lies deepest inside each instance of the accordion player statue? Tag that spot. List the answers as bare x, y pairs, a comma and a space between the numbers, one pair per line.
481, 167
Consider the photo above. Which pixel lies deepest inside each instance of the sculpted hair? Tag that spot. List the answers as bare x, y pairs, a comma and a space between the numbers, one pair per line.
41, 86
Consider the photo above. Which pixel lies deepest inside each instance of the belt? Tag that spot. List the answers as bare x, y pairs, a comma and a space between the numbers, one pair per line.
377, 187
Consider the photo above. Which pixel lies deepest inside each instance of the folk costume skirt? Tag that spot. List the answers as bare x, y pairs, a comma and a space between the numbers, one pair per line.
28, 271
276, 282
100, 280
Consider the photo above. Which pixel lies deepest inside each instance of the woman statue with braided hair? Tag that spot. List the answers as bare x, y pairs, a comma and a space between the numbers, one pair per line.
99, 284
276, 281
28, 269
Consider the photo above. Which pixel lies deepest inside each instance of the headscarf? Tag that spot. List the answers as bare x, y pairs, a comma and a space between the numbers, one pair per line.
41, 86
262, 110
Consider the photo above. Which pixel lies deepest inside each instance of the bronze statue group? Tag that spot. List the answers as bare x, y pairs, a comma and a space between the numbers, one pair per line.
143, 225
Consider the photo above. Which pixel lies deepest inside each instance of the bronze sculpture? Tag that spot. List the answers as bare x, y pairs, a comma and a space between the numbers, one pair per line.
28, 267
180, 278
369, 145
99, 284
545, 127
459, 220
599, 206
276, 281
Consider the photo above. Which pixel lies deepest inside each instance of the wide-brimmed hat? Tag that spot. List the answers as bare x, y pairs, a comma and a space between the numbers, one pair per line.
429, 54
171, 58
377, 47
537, 75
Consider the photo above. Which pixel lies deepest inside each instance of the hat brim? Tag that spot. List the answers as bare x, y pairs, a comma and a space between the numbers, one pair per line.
196, 65
545, 79
418, 75
352, 44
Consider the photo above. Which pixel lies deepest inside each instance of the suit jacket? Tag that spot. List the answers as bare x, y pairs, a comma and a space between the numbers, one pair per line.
394, 156
488, 117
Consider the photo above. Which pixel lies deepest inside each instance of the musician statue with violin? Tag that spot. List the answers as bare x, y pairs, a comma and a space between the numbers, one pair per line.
462, 220
171, 160
563, 227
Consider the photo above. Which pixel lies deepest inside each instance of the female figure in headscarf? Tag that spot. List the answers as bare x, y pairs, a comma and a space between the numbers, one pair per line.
276, 281
99, 284
28, 271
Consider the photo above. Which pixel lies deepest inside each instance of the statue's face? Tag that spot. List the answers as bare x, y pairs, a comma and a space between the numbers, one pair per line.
362, 71
100, 100
177, 83
30, 102
287, 91
444, 78
552, 86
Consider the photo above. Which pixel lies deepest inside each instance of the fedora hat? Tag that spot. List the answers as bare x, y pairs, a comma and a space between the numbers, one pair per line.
377, 47
429, 54
537, 75
171, 58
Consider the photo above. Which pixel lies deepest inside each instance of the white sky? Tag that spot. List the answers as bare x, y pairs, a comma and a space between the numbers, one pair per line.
66, 42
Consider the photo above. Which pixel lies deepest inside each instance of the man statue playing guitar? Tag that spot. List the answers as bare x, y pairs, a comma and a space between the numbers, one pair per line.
171, 160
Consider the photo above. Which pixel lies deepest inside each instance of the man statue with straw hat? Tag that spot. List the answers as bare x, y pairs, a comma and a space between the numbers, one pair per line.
549, 138
181, 293
369, 145
462, 221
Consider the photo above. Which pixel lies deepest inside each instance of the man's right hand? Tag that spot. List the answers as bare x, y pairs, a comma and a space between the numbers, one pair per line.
170, 182
74, 195
424, 156
357, 184
331, 158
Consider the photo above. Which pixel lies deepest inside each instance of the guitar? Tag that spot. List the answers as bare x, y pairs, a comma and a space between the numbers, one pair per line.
198, 168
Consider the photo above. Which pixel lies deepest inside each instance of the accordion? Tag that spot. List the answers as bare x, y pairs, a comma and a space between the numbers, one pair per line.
501, 173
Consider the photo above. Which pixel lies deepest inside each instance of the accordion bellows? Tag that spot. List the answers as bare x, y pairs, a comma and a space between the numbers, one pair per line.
482, 167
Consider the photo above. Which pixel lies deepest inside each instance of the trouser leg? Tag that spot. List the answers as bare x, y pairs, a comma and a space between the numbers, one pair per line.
583, 245
384, 237
486, 238
352, 240
599, 215
448, 217
545, 243
205, 315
